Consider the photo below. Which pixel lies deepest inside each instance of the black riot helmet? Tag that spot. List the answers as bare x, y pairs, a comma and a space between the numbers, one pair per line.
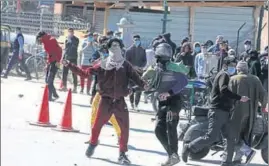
163, 52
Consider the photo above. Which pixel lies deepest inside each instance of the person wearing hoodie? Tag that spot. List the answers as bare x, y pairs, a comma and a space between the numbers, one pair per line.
167, 39
168, 79
54, 56
70, 54
199, 63
136, 55
113, 73
216, 47
196, 49
88, 48
254, 64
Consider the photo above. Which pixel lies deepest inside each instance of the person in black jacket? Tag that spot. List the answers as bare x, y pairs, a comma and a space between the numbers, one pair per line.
136, 55
246, 54
71, 54
167, 39
222, 101
169, 87
254, 64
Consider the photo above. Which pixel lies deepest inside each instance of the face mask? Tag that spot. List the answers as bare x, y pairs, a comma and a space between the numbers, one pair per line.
247, 47
137, 43
197, 49
90, 39
231, 70
105, 55
115, 50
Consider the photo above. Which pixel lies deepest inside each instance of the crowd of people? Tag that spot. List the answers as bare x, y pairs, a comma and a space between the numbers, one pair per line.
114, 72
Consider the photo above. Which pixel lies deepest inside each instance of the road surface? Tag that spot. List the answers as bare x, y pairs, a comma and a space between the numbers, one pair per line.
26, 145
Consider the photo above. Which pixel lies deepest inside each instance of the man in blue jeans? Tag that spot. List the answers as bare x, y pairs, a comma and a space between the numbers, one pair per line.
17, 56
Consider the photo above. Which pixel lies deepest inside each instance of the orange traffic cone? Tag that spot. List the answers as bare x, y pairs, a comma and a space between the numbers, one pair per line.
66, 124
44, 119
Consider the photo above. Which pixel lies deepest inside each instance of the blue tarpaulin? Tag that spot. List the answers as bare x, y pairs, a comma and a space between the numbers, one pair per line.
46, 2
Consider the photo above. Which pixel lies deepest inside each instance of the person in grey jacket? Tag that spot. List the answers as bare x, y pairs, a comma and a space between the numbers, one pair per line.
70, 54
136, 55
88, 49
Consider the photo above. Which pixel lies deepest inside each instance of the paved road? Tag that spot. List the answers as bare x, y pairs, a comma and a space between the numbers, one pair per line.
25, 145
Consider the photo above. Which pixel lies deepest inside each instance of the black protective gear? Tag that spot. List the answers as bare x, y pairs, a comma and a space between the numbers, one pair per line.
166, 124
163, 51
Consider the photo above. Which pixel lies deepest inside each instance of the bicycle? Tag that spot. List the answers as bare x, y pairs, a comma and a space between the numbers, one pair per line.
36, 64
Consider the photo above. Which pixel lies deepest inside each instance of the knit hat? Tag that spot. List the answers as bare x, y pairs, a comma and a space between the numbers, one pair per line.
242, 66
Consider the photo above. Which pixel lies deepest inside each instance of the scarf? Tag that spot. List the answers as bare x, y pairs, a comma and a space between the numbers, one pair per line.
114, 60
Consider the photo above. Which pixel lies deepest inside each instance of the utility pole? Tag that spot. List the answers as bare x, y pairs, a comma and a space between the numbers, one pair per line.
165, 12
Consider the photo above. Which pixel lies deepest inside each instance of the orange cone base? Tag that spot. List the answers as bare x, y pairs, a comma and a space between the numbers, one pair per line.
63, 129
42, 124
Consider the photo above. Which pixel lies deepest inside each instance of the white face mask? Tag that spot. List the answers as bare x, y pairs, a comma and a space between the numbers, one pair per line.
247, 47
115, 51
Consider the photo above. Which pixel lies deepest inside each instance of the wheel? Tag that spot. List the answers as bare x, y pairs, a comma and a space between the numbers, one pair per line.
264, 153
36, 66
199, 155
19, 70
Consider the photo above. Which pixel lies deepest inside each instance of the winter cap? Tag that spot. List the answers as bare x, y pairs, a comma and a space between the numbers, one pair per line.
95, 34
242, 66
167, 35
247, 42
136, 37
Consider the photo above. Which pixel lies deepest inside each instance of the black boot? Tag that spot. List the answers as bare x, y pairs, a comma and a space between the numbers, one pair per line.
123, 159
172, 160
90, 150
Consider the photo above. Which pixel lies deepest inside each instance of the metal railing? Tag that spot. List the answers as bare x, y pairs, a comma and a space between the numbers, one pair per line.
31, 23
